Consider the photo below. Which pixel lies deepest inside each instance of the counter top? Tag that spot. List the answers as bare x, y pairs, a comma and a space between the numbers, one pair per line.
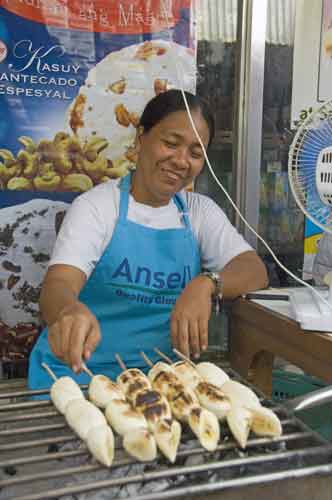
262, 329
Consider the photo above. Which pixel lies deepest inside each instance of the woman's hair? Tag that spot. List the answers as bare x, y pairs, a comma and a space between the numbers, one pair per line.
168, 102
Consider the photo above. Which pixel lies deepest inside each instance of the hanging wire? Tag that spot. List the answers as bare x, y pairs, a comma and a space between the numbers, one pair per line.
180, 74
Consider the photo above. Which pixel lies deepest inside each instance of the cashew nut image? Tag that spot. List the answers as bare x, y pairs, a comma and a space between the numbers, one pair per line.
77, 182
19, 183
48, 182
29, 163
6, 172
63, 163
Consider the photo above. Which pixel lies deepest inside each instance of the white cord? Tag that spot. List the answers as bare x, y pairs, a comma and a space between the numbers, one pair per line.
284, 268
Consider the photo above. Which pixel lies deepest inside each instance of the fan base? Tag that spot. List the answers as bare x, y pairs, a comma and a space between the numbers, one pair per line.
310, 311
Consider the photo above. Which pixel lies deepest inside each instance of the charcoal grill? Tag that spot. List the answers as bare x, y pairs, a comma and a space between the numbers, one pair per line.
41, 458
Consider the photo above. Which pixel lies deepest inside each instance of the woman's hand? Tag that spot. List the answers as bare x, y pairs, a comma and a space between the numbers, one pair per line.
190, 317
74, 335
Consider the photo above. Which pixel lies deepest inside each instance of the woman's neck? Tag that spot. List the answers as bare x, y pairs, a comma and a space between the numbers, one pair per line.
144, 196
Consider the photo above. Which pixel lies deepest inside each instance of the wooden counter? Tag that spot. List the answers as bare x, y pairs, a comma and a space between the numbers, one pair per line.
257, 334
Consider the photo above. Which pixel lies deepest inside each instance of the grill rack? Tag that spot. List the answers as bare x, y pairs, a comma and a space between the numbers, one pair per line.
39, 467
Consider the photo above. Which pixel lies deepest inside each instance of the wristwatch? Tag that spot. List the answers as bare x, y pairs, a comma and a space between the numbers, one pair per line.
218, 283
218, 290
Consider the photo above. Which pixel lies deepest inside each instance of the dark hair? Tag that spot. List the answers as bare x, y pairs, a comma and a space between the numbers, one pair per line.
171, 101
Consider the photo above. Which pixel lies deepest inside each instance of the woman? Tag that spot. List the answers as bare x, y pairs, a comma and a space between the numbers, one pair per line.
125, 274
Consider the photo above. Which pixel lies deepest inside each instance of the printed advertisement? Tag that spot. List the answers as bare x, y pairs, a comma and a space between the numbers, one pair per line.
312, 63
312, 235
74, 79
325, 59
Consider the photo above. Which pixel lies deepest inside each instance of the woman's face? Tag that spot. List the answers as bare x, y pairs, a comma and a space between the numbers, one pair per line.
169, 157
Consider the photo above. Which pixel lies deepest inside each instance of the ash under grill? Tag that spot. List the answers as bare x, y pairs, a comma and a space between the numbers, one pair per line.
41, 458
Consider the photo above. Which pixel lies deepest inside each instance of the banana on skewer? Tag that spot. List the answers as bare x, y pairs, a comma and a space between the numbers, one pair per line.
210, 397
86, 420
123, 417
82, 416
187, 373
100, 442
240, 394
136, 387
185, 405
132, 426
127, 422
154, 407
213, 398
246, 413
205, 426
157, 367
212, 373
140, 444
168, 383
131, 375
264, 422
239, 421
236, 392
102, 390
167, 431
63, 391
202, 422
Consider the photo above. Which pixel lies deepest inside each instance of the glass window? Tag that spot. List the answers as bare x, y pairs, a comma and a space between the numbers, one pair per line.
217, 24
281, 222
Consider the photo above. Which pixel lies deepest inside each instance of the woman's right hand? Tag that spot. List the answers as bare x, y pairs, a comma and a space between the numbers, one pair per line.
74, 335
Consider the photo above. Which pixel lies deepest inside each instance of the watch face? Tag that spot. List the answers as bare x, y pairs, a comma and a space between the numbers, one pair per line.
218, 283
216, 280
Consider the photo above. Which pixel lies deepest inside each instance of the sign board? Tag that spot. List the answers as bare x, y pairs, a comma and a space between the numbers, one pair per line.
312, 64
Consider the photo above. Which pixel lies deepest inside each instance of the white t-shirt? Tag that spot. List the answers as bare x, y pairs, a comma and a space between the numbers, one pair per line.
89, 224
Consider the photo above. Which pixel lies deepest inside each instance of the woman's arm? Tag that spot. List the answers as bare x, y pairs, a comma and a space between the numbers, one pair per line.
61, 287
243, 274
73, 330
190, 316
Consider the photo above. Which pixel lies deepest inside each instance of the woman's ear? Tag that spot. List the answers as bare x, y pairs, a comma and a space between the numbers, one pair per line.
139, 133
132, 151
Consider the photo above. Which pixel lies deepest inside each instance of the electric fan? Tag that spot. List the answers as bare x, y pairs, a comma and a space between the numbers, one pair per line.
310, 177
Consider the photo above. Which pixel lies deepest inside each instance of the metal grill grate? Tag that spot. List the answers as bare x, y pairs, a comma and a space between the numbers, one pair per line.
41, 458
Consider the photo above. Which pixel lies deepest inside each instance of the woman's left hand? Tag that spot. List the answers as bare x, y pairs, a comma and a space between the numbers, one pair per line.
190, 317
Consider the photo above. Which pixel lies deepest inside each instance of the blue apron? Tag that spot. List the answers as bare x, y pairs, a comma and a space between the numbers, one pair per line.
131, 291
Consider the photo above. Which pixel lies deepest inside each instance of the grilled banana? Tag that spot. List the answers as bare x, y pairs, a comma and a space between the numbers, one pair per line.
100, 442
212, 373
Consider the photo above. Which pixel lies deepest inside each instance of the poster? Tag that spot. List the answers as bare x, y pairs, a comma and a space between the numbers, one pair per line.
74, 79
312, 62
312, 235
325, 55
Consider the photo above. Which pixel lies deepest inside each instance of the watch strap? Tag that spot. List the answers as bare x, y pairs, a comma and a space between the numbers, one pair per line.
215, 277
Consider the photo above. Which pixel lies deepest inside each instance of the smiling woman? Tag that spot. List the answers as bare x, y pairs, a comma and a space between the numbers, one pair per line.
138, 284
169, 153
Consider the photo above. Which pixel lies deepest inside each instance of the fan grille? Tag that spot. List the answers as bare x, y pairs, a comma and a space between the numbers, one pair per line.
311, 139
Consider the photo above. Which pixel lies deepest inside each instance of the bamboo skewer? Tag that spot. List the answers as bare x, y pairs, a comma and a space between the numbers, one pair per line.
163, 356
50, 372
146, 359
185, 358
87, 370
120, 362
178, 353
